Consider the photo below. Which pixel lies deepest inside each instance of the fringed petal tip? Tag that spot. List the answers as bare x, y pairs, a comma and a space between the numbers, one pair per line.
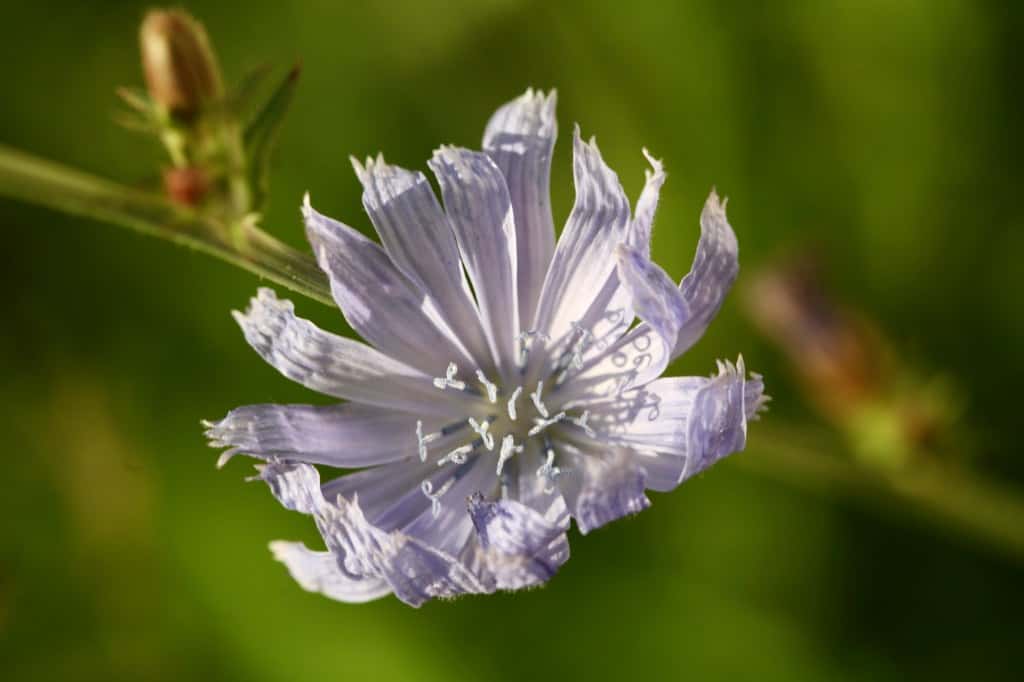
265, 318
656, 173
531, 114
373, 164
721, 410
383, 182
713, 219
265, 304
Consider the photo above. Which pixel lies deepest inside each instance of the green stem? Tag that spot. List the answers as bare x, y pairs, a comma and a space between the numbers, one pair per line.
38, 181
945, 496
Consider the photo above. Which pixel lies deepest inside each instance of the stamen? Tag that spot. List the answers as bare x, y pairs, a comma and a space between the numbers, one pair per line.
422, 440
449, 379
581, 421
528, 336
577, 347
492, 389
537, 401
482, 429
574, 357
542, 424
435, 498
549, 471
456, 456
512, 403
508, 448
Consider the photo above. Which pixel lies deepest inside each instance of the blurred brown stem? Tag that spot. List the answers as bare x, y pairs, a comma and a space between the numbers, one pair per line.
943, 495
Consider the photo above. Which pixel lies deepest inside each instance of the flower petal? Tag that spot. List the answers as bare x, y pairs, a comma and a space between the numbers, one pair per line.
519, 138
714, 269
636, 358
646, 206
611, 311
390, 495
319, 572
347, 435
654, 295
654, 416
380, 303
534, 491
452, 528
338, 366
679, 426
520, 547
414, 571
478, 205
418, 237
718, 421
600, 486
583, 259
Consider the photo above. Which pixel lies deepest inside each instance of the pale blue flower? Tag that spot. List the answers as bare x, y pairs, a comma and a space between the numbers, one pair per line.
504, 388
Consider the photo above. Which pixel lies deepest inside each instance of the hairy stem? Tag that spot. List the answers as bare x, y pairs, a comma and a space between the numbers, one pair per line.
38, 181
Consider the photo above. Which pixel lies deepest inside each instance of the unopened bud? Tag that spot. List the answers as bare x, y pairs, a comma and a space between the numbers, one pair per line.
180, 67
848, 368
837, 353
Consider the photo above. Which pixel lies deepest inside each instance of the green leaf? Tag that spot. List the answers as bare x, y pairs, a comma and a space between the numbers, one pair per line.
261, 135
243, 100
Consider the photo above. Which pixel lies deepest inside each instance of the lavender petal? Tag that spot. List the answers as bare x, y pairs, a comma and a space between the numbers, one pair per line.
337, 366
600, 486
346, 435
415, 571
418, 237
519, 138
714, 269
478, 205
520, 547
654, 295
319, 572
718, 421
379, 302
583, 259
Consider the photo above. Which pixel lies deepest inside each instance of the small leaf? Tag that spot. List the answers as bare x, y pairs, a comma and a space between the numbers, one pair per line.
261, 135
243, 100
136, 99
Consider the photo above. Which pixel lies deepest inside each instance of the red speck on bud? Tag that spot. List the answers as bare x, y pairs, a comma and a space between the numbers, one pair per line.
186, 186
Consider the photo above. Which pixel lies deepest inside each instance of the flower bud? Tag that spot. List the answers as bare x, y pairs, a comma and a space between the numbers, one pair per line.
837, 353
180, 67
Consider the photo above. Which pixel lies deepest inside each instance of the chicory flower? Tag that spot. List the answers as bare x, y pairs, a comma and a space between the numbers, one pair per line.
506, 385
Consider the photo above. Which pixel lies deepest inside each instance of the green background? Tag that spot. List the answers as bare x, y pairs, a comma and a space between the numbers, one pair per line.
885, 133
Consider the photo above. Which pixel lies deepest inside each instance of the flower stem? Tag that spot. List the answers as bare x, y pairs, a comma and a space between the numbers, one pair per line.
38, 181
943, 495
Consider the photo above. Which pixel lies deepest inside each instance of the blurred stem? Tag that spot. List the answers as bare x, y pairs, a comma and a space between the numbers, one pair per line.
942, 495
38, 181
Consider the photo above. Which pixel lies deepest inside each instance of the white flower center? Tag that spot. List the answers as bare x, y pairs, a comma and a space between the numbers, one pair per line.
509, 417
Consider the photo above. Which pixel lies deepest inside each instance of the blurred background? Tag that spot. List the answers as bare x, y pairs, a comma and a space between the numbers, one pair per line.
871, 152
